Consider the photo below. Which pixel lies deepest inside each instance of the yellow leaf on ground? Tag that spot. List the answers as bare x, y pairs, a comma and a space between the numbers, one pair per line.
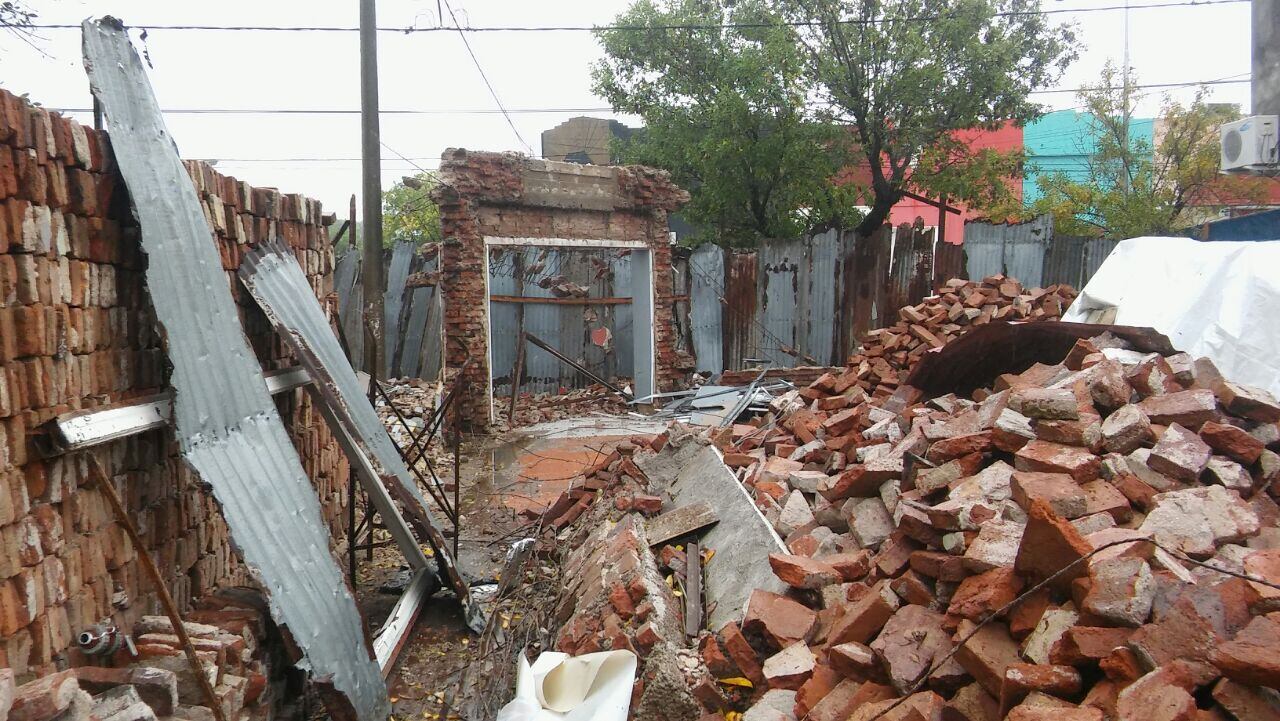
736, 681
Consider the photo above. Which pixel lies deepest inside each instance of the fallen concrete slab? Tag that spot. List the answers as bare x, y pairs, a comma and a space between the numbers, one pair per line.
742, 541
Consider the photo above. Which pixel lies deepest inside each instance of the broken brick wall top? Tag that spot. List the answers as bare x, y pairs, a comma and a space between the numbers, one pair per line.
507, 195
77, 331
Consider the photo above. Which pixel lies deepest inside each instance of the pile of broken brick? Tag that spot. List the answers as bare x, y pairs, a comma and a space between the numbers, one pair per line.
543, 407
240, 653
886, 355
1097, 539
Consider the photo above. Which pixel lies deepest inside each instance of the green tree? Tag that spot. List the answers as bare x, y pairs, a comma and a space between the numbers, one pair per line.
909, 76
408, 213
1130, 188
725, 111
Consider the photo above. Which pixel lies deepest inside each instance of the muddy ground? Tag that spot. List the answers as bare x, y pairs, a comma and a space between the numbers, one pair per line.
501, 477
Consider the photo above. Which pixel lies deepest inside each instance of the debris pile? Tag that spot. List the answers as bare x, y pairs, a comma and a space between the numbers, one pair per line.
541, 407
414, 399
244, 665
1046, 549
887, 355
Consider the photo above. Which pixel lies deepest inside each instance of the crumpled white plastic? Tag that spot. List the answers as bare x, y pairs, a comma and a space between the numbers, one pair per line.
1215, 299
572, 688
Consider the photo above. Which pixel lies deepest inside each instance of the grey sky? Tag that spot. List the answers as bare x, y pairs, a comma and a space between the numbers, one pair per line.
432, 71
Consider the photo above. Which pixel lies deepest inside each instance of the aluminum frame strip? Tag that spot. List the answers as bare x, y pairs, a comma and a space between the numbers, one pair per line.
78, 430
226, 424
273, 277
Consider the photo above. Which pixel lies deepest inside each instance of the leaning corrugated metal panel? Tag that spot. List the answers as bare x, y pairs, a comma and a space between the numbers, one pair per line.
227, 426
276, 281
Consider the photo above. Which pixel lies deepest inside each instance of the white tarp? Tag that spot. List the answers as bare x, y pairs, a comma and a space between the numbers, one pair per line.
559, 687
1213, 299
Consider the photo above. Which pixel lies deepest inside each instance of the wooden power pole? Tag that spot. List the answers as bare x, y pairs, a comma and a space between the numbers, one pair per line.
371, 154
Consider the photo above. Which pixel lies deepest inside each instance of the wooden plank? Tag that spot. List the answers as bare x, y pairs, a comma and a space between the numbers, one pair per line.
681, 521
693, 590
559, 301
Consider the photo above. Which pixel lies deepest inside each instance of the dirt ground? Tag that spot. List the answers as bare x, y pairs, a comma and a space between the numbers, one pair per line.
501, 477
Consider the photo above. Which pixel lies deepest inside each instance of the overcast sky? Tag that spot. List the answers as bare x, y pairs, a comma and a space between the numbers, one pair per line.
433, 72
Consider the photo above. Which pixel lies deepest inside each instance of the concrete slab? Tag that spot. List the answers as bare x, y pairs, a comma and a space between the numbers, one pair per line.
743, 539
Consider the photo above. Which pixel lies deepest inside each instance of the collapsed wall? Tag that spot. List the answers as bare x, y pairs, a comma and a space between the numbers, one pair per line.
485, 197
77, 331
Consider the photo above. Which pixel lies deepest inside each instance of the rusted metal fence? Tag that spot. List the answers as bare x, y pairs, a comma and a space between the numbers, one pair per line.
808, 301
789, 302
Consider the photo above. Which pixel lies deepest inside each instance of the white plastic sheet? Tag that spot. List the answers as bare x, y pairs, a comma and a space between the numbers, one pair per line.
1215, 299
559, 687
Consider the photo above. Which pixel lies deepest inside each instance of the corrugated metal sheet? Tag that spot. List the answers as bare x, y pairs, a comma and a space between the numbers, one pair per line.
419, 355
1063, 261
948, 263
392, 304
1017, 250
706, 270
350, 302
1096, 251
227, 426
276, 281
780, 298
741, 333
605, 272
822, 283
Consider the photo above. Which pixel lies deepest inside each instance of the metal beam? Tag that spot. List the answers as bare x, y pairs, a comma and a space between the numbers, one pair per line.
391, 638
577, 366
82, 429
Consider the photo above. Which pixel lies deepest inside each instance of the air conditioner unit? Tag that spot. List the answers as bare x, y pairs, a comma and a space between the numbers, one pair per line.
1250, 144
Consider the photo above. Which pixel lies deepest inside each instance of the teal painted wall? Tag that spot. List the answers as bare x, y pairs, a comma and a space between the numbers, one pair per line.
1062, 141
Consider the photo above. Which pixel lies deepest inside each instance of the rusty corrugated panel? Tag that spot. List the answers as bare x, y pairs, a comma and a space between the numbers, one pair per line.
871, 266
273, 277
948, 263
846, 299
921, 283
1063, 261
901, 270
739, 308
227, 427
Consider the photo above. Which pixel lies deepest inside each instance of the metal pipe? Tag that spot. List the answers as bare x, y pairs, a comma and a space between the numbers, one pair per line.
162, 591
576, 366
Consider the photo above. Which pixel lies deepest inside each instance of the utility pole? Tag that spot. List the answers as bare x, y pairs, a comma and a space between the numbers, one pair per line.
371, 164
1127, 114
1266, 57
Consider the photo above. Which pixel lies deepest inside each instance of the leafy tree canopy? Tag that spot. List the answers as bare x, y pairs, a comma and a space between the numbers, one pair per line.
1132, 187
908, 76
725, 111
408, 213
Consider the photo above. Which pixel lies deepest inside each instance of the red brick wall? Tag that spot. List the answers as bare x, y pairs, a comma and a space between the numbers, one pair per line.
77, 331
507, 195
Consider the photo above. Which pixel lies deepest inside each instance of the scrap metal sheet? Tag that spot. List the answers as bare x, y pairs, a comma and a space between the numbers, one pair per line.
227, 426
273, 277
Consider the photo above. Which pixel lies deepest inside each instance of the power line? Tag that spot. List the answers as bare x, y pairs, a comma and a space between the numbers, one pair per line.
409, 30
466, 43
603, 109
343, 111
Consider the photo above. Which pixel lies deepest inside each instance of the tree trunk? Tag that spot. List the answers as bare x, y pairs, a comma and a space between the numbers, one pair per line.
883, 202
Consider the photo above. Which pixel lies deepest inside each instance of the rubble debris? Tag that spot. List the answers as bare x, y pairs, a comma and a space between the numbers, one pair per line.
887, 355
534, 408
240, 653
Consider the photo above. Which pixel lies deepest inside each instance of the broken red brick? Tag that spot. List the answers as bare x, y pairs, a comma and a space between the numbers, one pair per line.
802, 571
777, 620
